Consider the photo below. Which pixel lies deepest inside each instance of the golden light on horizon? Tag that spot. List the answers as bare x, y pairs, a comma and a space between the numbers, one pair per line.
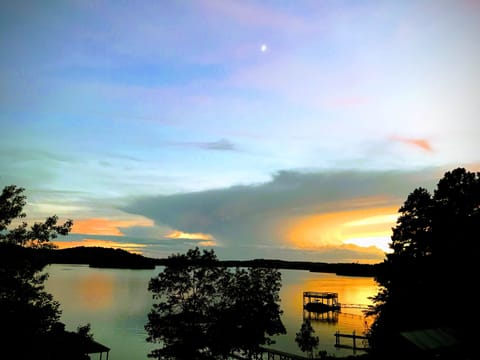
380, 242
361, 227
130, 247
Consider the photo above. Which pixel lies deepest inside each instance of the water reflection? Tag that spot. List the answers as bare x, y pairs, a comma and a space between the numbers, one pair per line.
96, 291
81, 290
351, 290
116, 303
328, 317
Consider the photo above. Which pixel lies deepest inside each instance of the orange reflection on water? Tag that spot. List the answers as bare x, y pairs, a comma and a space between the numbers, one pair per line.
96, 291
350, 289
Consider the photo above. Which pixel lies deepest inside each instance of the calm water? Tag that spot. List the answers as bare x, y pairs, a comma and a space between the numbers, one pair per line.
116, 303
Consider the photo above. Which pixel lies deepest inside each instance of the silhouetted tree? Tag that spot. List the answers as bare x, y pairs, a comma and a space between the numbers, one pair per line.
249, 312
305, 339
12, 202
205, 311
85, 331
186, 290
26, 311
427, 280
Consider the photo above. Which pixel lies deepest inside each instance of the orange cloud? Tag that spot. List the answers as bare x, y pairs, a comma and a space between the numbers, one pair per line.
99, 226
343, 227
473, 167
177, 234
207, 243
131, 247
423, 144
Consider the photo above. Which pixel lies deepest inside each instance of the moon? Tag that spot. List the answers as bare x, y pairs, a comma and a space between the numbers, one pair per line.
263, 48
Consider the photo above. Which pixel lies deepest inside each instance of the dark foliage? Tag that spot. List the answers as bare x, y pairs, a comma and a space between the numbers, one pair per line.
350, 269
100, 257
28, 313
427, 281
305, 339
206, 311
248, 312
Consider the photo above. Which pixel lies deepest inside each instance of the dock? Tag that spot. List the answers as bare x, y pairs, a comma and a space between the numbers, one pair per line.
315, 301
322, 302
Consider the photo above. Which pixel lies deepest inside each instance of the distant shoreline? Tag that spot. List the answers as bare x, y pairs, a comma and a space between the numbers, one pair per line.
347, 269
100, 257
116, 258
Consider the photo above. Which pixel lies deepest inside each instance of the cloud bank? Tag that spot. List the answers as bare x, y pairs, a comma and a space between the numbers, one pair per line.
287, 214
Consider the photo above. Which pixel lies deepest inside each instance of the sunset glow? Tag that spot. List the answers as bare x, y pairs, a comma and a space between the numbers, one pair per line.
345, 227
192, 236
423, 144
278, 130
131, 247
98, 226
159, 155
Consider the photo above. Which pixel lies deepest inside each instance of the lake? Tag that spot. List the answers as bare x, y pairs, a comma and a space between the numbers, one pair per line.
116, 303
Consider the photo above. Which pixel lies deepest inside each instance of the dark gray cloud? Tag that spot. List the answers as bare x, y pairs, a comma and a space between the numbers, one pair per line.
248, 217
219, 145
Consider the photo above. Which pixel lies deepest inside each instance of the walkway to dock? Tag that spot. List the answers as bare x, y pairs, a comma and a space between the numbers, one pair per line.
280, 355
355, 306
272, 354
354, 338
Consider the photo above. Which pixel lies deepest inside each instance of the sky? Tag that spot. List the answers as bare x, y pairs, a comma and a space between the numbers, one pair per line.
261, 129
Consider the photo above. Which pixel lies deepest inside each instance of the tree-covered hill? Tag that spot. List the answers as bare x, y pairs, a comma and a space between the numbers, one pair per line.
101, 257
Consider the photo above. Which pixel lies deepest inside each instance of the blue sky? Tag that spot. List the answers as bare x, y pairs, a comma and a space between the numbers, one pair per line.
259, 128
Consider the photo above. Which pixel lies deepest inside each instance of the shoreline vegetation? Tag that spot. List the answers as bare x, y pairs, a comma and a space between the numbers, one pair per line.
101, 257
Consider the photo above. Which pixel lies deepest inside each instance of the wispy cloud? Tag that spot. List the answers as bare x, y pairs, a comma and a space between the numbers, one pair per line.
420, 143
34, 154
255, 15
218, 145
221, 145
